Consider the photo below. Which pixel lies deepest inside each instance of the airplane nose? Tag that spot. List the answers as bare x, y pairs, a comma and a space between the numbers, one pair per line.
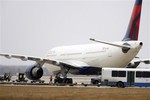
141, 43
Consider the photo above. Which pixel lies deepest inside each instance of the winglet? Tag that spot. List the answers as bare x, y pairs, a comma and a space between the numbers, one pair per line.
133, 28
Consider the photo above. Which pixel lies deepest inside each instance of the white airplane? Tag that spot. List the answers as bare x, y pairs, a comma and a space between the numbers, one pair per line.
88, 59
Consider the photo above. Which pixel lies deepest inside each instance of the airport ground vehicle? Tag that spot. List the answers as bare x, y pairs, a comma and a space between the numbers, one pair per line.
123, 77
21, 78
5, 77
96, 80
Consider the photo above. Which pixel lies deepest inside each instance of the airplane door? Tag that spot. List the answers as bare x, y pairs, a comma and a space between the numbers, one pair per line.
130, 78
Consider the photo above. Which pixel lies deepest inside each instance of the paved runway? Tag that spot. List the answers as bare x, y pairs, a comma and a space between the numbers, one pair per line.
76, 79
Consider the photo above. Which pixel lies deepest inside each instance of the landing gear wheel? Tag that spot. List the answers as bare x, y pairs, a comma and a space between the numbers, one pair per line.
67, 80
64, 80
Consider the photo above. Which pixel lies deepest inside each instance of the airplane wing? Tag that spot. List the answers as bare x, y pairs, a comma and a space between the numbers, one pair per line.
146, 61
75, 63
135, 62
21, 57
41, 61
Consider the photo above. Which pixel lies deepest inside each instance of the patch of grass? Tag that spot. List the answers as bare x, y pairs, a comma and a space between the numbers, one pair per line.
72, 93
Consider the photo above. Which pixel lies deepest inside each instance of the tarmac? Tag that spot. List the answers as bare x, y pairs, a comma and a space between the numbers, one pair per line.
78, 81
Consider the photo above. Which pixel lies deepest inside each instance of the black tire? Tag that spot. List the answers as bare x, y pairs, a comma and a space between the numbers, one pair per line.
63, 80
120, 85
69, 80
96, 82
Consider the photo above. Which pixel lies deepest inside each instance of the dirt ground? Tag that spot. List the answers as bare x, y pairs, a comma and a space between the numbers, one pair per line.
72, 93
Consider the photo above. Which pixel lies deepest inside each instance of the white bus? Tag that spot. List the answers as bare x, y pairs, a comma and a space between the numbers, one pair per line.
123, 77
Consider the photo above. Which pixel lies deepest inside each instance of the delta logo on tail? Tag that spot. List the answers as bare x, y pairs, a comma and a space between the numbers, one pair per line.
133, 28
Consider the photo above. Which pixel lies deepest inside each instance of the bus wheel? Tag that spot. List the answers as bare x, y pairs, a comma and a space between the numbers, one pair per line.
120, 84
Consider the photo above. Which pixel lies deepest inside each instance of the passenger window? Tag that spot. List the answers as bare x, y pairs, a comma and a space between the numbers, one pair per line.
121, 73
143, 74
118, 73
146, 74
138, 74
114, 74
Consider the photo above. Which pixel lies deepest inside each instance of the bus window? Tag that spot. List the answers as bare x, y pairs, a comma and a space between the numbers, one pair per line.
121, 73
138, 74
118, 73
144, 74
114, 74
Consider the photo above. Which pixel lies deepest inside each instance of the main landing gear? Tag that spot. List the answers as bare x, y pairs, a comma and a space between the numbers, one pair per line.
60, 80
63, 80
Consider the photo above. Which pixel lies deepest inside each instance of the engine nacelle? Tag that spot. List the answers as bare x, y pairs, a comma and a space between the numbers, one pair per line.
34, 72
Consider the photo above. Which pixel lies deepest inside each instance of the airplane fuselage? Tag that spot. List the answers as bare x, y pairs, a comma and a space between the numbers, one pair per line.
94, 55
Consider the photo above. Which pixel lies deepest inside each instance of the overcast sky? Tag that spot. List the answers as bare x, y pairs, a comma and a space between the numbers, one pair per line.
32, 27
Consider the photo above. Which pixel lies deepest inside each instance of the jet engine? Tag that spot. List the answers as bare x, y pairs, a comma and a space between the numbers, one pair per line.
34, 72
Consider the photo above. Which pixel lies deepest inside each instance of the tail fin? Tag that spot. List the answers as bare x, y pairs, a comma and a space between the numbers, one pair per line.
133, 28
